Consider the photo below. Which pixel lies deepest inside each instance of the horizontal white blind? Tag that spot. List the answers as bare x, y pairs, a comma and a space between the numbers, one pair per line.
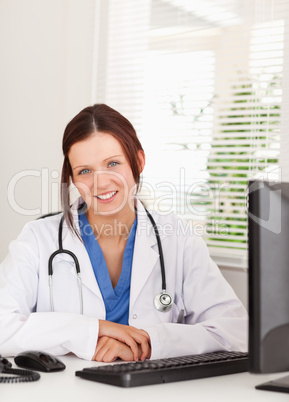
202, 84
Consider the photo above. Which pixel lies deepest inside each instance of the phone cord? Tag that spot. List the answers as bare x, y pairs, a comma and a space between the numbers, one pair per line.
22, 375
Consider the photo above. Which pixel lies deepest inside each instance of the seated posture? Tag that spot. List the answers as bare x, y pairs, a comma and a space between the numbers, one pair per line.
125, 282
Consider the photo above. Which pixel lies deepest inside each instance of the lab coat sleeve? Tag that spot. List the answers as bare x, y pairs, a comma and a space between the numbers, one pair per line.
22, 326
214, 320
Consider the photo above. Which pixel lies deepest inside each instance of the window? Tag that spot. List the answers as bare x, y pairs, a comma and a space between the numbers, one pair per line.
202, 84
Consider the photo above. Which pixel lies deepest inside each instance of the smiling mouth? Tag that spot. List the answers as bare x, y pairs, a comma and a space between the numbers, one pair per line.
106, 196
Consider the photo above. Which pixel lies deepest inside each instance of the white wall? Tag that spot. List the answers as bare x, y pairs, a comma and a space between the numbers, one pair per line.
46, 76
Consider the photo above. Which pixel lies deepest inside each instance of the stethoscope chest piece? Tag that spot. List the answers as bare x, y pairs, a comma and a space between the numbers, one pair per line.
163, 302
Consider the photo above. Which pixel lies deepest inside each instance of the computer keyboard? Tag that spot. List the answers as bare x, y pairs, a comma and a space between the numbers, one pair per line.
167, 370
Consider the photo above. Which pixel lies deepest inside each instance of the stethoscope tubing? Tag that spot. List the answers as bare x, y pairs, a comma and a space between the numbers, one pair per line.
163, 301
162, 263
61, 250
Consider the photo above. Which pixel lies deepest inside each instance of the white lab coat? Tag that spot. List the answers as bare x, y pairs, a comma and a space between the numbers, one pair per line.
214, 318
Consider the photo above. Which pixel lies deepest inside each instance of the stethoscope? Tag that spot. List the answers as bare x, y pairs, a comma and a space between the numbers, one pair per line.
163, 301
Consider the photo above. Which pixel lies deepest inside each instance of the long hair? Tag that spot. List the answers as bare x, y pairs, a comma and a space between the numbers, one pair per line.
97, 118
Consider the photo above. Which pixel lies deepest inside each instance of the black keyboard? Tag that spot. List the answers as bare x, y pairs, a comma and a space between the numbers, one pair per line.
167, 370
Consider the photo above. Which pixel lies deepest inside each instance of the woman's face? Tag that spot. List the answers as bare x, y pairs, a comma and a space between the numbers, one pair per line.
102, 174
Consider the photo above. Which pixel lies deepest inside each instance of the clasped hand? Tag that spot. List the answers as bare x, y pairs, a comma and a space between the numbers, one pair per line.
121, 341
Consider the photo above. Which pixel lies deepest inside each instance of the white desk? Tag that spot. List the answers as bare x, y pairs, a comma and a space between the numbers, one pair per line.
65, 386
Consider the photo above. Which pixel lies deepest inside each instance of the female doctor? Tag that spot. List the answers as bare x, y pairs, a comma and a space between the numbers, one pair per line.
145, 289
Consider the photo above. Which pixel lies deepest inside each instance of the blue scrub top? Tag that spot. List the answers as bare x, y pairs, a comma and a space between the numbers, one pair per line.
116, 299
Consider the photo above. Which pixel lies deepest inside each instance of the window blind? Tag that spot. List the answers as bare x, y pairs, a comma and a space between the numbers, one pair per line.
202, 84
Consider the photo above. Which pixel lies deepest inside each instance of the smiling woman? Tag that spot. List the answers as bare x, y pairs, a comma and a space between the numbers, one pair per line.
126, 256
102, 174
100, 145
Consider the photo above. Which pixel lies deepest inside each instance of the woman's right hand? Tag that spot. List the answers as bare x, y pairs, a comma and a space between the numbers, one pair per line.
131, 336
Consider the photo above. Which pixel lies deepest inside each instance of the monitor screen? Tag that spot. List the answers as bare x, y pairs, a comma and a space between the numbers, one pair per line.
268, 234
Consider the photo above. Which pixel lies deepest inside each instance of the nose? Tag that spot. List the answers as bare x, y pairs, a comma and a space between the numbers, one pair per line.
101, 181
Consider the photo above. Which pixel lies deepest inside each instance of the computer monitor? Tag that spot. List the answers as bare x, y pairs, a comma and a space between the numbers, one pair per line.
268, 213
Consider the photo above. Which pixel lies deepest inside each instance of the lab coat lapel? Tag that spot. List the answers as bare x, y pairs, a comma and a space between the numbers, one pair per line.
145, 255
73, 243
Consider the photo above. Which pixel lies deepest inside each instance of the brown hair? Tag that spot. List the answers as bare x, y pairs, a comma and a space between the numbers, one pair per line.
102, 118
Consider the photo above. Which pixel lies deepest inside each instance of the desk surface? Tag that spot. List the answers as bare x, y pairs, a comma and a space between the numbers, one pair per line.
65, 386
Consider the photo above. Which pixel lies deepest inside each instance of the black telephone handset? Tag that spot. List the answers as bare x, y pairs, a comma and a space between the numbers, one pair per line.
15, 374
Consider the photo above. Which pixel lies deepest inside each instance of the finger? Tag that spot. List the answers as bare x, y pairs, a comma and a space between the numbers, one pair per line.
144, 333
131, 336
145, 351
124, 352
114, 330
117, 349
109, 356
112, 350
103, 353
143, 339
129, 341
140, 350
139, 335
100, 348
126, 334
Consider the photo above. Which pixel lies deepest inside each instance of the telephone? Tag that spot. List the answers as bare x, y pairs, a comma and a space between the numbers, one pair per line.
21, 375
